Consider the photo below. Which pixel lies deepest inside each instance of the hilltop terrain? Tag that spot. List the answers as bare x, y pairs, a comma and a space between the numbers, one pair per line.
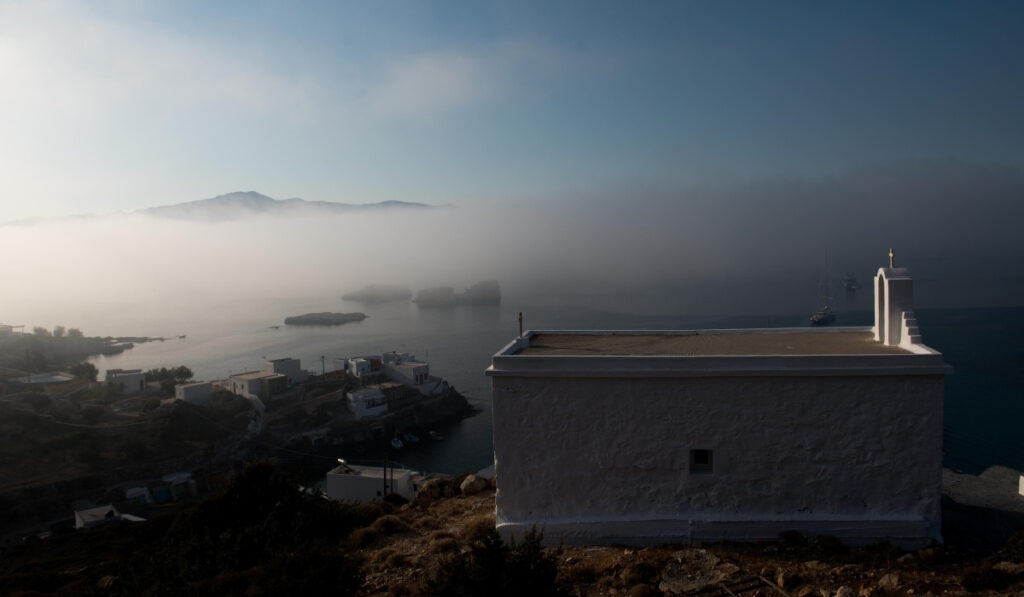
261, 535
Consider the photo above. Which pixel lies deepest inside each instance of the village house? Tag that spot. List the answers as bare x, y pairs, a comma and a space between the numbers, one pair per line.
403, 367
126, 381
91, 517
257, 384
398, 367
367, 402
705, 435
360, 367
290, 368
196, 393
354, 483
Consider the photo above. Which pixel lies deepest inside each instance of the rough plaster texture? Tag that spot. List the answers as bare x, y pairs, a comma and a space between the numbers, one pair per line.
596, 460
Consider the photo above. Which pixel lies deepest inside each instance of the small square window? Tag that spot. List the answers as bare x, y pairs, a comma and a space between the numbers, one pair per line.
701, 461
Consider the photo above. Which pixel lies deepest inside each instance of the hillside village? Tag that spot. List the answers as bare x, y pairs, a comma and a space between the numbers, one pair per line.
138, 442
144, 456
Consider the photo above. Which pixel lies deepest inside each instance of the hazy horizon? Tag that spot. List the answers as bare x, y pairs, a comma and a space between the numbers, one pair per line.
748, 249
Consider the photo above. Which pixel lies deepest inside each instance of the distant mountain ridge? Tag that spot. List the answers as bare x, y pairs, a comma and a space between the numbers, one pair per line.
236, 206
232, 206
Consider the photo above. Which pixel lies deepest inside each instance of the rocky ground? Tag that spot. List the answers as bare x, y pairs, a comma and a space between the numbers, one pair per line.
400, 550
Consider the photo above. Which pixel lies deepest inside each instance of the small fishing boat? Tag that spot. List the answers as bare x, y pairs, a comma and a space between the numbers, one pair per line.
435, 436
823, 317
410, 438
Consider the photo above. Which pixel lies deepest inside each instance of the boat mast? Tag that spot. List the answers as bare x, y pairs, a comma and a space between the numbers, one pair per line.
825, 285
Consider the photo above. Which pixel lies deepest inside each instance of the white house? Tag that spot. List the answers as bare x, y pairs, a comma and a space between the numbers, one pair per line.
367, 402
703, 435
91, 517
290, 368
197, 393
140, 495
359, 367
405, 369
351, 483
258, 384
127, 381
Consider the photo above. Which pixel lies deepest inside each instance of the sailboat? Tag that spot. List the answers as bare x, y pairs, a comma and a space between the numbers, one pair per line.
826, 315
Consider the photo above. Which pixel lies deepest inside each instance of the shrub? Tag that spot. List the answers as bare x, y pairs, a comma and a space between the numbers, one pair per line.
396, 560
829, 545
443, 545
1014, 548
477, 529
985, 578
390, 524
259, 535
426, 523
363, 537
492, 568
395, 500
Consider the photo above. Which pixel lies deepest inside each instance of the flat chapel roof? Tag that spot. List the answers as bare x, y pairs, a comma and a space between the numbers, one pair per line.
708, 343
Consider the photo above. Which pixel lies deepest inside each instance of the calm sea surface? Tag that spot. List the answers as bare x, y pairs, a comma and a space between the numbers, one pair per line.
984, 394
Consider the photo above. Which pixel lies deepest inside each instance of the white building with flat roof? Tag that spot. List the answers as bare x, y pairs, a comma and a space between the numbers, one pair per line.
127, 381
257, 384
197, 393
91, 517
354, 483
704, 435
290, 368
367, 402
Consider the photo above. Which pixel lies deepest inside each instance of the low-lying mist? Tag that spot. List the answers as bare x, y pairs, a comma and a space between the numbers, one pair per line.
757, 247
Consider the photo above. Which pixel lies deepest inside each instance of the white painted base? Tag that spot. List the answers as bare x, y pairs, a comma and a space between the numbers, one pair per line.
906, 534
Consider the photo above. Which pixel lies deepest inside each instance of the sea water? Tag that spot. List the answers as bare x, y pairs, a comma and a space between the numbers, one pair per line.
984, 403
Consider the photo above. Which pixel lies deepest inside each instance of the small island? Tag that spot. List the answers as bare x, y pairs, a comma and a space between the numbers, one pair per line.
379, 293
324, 318
482, 293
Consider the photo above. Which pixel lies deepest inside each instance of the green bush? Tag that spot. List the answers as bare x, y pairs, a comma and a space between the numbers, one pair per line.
491, 567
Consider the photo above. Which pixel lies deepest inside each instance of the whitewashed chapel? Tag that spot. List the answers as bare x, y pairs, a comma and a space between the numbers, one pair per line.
701, 435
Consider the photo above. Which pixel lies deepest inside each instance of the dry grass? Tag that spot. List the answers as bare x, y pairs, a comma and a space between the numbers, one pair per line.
390, 525
443, 545
398, 561
477, 528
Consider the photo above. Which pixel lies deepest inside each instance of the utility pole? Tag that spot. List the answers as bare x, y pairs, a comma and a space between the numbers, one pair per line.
323, 367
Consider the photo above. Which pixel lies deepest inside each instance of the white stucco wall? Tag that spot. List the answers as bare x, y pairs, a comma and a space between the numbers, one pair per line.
198, 393
128, 382
597, 460
410, 373
367, 402
368, 483
290, 368
358, 367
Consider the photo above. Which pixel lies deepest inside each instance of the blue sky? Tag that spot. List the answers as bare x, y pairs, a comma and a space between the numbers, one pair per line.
123, 105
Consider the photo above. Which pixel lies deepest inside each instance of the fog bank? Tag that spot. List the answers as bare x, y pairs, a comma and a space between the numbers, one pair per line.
755, 247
